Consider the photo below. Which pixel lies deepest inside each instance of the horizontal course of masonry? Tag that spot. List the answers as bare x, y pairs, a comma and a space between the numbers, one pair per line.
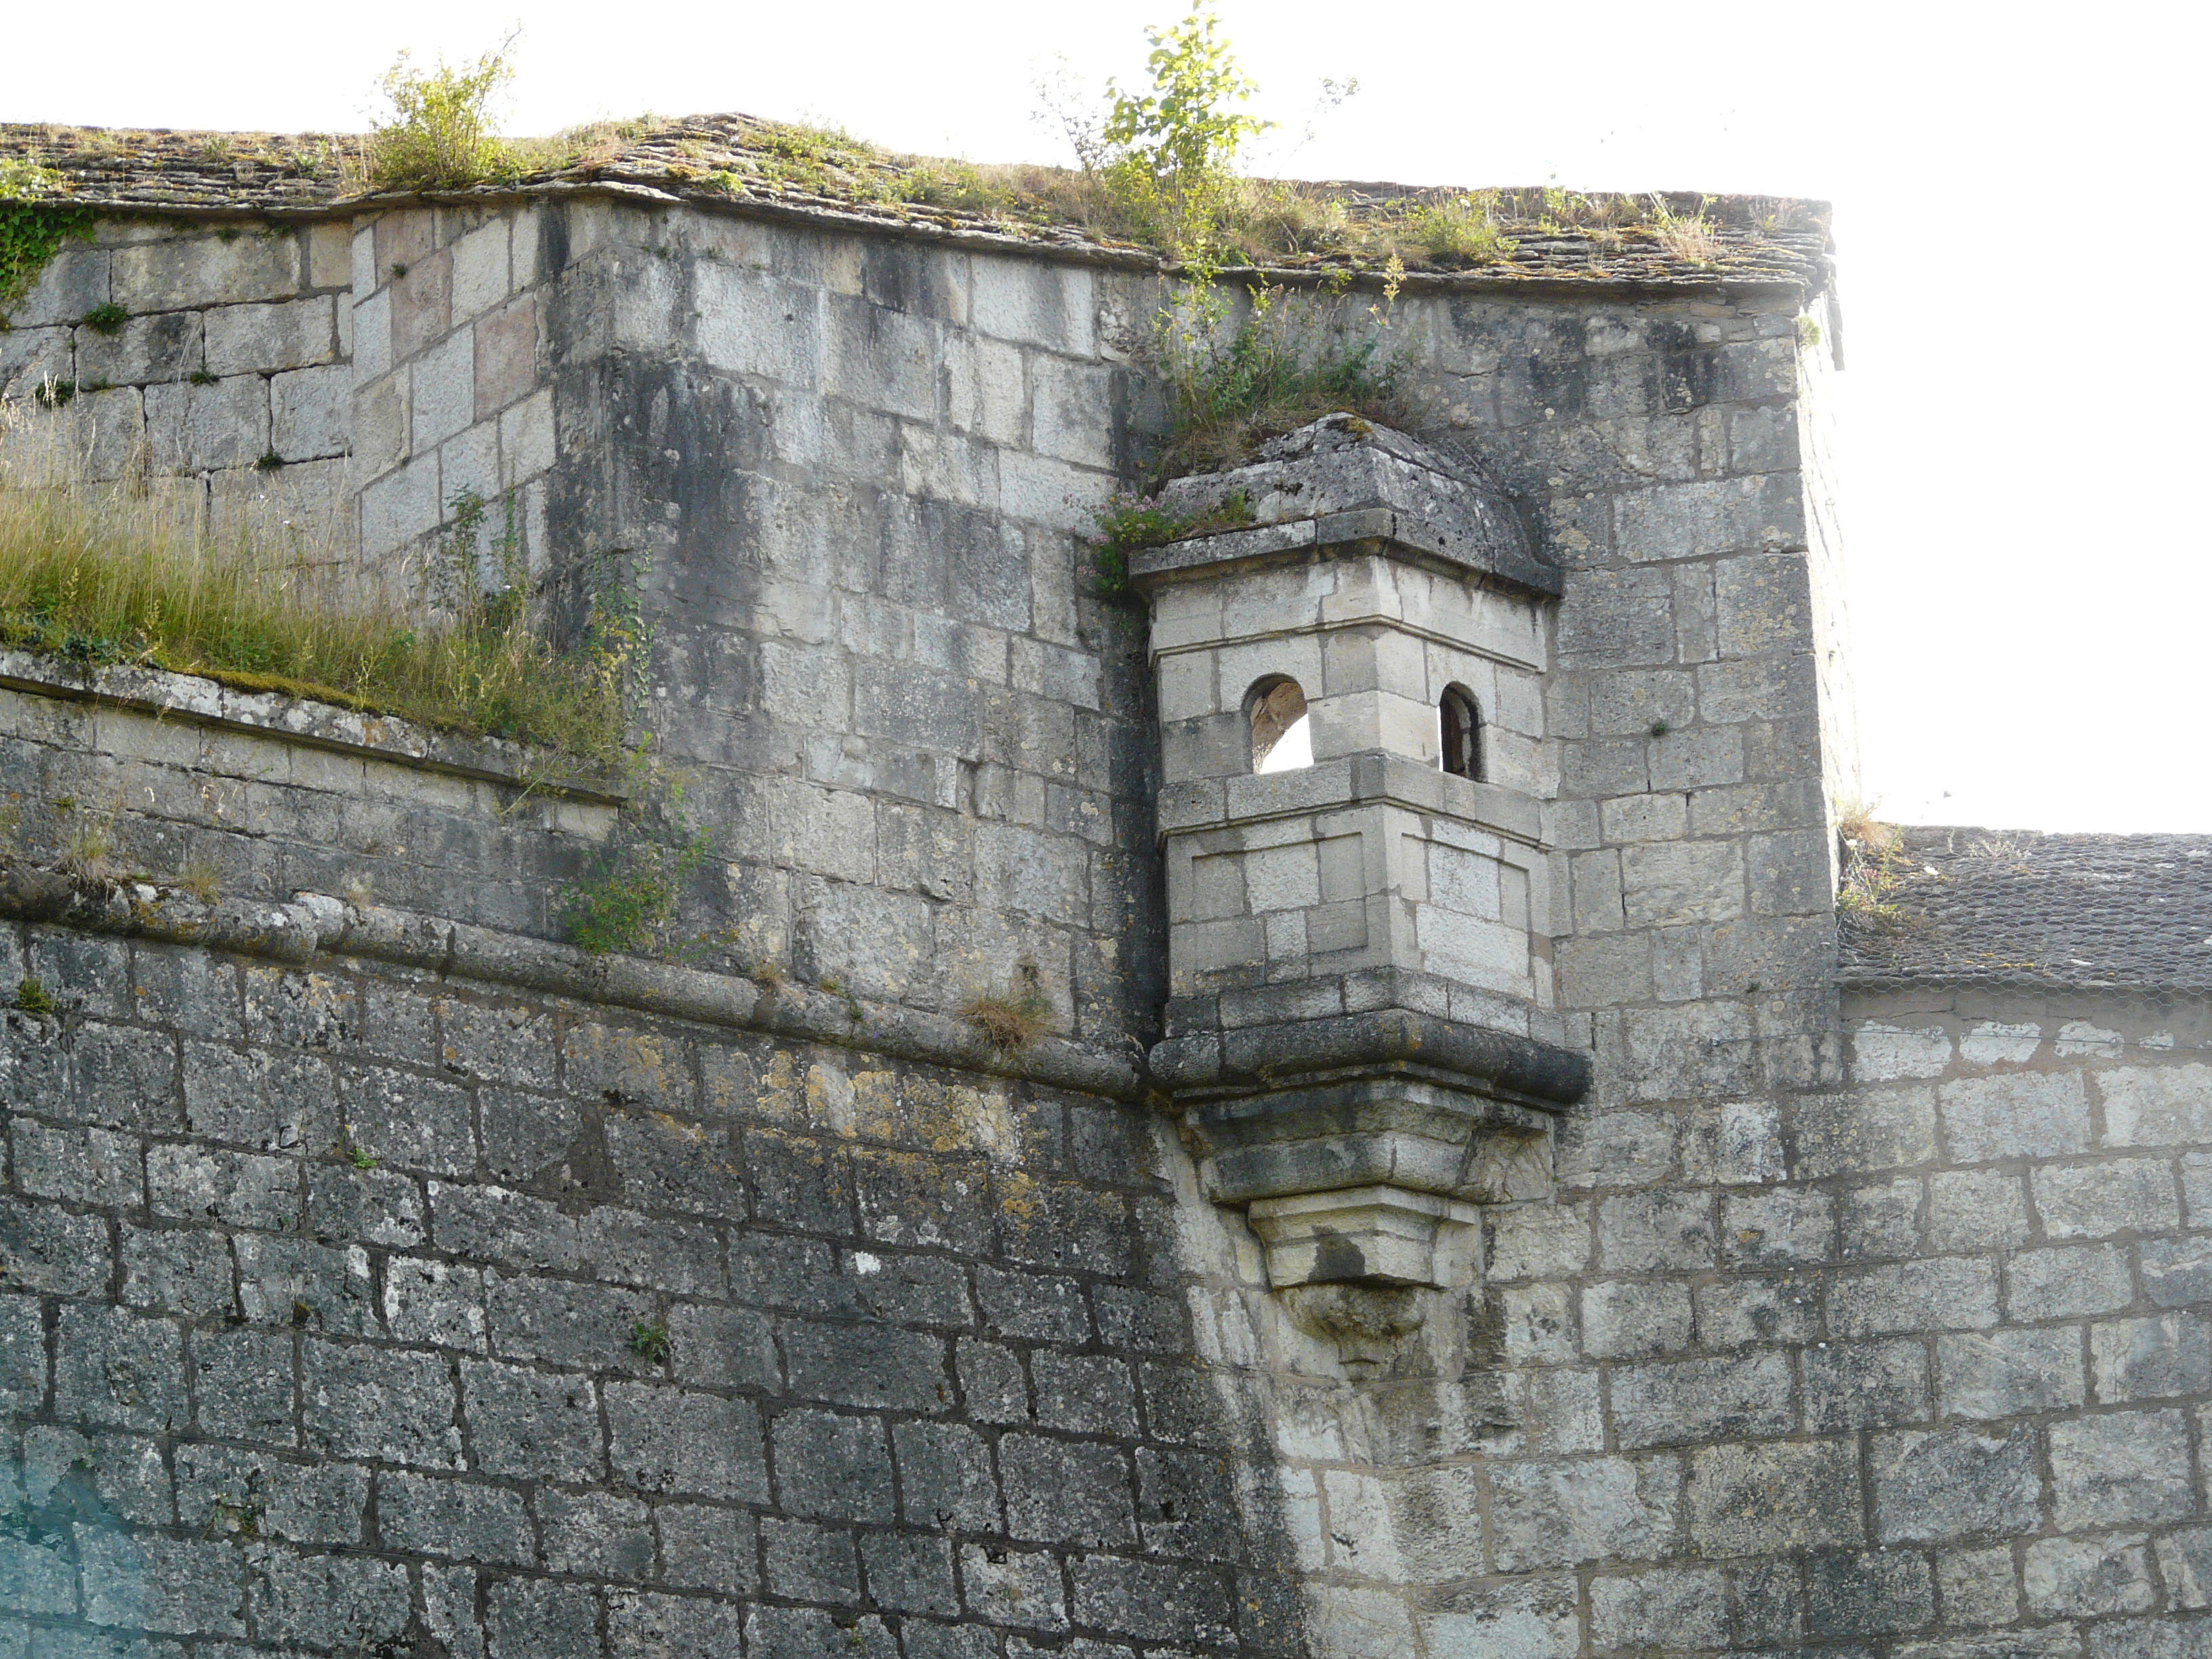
1921, 1360
344, 1310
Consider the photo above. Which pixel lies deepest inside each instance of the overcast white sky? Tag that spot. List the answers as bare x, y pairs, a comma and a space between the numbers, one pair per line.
2019, 212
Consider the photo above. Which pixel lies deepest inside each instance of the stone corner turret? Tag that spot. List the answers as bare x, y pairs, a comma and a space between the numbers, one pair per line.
1360, 1038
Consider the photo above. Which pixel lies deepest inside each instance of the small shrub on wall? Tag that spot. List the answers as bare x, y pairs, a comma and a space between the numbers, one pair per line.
443, 137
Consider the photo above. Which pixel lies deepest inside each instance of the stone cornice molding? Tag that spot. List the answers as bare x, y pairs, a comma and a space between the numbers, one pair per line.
314, 927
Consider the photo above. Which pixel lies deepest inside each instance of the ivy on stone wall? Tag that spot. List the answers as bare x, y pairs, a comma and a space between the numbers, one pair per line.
33, 228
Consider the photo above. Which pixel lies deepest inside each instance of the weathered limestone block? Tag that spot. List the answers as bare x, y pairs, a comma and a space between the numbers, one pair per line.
250, 338
225, 270
73, 282
190, 428
163, 346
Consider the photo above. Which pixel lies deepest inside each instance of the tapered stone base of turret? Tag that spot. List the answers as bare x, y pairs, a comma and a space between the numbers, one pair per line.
1368, 1234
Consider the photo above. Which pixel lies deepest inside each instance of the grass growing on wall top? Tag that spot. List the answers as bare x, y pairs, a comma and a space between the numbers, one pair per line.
114, 576
1234, 376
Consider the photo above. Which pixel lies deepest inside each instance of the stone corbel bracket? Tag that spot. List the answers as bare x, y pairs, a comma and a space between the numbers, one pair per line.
1359, 1146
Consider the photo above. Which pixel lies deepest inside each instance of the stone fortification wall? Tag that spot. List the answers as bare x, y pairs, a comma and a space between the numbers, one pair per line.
447, 392
1913, 1361
1876, 1334
350, 1310
231, 348
859, 467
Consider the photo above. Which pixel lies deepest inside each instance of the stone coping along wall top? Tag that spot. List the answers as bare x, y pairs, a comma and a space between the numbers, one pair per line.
773, 170
315, 925
203, 701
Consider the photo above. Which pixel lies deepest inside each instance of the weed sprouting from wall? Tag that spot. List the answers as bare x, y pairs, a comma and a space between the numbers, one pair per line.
443, 135
1128, 523
1687, 236
1158, 161
1874, 866
625, 900
88, 849
1236, 376
1166, 153
1162, 162
1461, 230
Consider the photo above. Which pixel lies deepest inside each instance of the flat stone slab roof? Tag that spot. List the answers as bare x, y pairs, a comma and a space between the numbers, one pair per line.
2012, 905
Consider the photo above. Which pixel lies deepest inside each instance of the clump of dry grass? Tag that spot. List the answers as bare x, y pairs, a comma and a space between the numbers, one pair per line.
1855, 822
1007, 1026
1687, 236
98, 573
1011, 1021
594, 143
87, 852
202, 880
1874, 866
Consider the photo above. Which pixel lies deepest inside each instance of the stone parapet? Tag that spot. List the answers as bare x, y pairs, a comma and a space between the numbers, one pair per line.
314, 927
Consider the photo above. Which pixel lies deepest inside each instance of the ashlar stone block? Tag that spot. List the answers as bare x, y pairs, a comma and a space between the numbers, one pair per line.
166, 345
1735, 1493
260, 338
167, 274
2023, 1115
2128, 1467
311, 412
2007, 1373
1865, 1385
190, 428
1979, 1587
1882, 1053
1703, 1400
2157, 1105
2067, 1283
2152, 1359
2095, 1201
1555, 1513
1664, 1607
1932, 1485
2083, 1577
1877, 1593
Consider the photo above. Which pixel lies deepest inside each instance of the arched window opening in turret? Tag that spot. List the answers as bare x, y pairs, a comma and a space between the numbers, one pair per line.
1282, 738
1460, 721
